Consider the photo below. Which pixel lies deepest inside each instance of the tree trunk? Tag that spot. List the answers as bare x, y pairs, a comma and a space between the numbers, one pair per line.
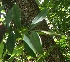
29, 9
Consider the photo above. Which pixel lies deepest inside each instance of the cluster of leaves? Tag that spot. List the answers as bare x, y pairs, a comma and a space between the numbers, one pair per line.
17, 39
24, 43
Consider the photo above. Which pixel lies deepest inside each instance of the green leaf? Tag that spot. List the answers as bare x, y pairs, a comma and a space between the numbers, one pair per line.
49, 33
17, 16
28, 42
10, 42
36, 42
9, 17
1, 49
39, 17
29, 50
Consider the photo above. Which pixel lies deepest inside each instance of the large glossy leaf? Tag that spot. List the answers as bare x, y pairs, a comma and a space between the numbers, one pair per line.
17, 16
39, 17
36, 42
29, 50
10, 42
28, 42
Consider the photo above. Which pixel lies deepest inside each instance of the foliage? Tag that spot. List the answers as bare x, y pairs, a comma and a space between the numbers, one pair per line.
26, 43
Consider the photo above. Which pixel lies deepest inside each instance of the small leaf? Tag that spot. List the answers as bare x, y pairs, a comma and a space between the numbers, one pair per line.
10, 42
17, 16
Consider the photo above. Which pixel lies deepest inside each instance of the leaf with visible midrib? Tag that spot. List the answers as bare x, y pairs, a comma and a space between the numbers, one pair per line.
34, 42
29, 50
28, 42
34, 37
40, 16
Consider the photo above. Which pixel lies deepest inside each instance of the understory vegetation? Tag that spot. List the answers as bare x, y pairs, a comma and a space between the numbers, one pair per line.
34, 30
